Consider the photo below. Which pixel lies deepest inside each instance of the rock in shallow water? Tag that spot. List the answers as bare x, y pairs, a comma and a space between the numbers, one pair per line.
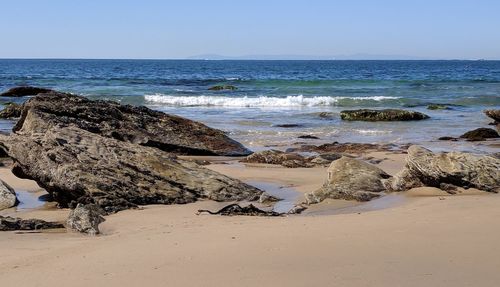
24, 91
424, 168
381, 115
480, 134
8, 197
11, 110
350, 179
78, 166
138, 125
86, 218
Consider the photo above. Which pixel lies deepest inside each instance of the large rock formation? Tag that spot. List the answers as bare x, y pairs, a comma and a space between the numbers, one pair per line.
381, 115
424, 168
138, 125
86, 218
350, 179
78, 166
24, 91
8, 197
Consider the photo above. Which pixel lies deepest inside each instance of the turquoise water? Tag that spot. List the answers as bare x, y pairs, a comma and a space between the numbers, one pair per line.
283, 92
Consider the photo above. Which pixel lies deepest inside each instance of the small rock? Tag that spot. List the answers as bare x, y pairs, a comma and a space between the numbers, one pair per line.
288, 125
381, 115
222, 88
86, 218
480, 134
308, 137
325, 158
437, 107
447, 138
493, 114
8, 197
11, 110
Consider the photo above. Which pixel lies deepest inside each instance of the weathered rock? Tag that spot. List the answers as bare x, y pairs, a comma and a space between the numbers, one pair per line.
290, 160
236, 209
11, 110
424, 168
86, 218
8, 223
493, 114
341, 148
24, 91
437, 107
138, 125
480, 134
381, 115
447, 138
223, 87
77, 166
325, 158
311, 137
8, 197
350, 179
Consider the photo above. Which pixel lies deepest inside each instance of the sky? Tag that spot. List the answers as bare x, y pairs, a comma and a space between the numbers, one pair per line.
438, 29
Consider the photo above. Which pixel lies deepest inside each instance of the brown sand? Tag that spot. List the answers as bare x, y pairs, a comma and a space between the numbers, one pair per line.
430, 239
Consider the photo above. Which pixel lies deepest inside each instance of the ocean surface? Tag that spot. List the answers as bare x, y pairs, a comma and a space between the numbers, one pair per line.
271, 93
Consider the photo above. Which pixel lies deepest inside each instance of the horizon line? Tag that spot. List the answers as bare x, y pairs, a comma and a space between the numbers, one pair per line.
242, 59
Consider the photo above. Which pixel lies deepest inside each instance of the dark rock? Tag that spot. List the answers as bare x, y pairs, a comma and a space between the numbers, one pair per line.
446, 138
437, 107
24, 91
480, 134
308, 137
138, 125
350, 179
381, 115
8, 197
424, 168
11, 110
326, 115
86, 218
494, 114
290, 160
8, 223
222, 88
77, 166
236, 209
288, 125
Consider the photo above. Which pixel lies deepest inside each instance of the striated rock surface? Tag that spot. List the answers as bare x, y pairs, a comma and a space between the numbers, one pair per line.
86, 218
24, 91
8, 223
350, 179
11, 110
8, 197
138, 125
424, 168
480, 134
78, 166
381, 115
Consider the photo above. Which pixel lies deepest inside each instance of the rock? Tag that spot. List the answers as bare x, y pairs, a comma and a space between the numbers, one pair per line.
325, 158
381, 115
494, 114
424, 168
308, 137
446, 138
288, 126
86, 218
24, 91
77, 166
11, 110
236, 209
138, 125
290, 160
8, 197
350, 179
326, 115
341, 148
222, 88
8, 223
480, 134
437, 107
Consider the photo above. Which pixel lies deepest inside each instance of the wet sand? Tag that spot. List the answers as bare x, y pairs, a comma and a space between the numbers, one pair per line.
421, 238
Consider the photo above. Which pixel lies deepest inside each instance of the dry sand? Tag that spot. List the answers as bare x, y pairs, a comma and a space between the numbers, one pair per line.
427, 239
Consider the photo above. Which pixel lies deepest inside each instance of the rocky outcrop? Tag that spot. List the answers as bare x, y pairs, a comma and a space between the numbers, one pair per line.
11, 110
480, 134
381, 115
24, 91
350, 179
222, 88
8, 197
336, 147
78, 166
8, 223
424, 168
86, 218
138, 125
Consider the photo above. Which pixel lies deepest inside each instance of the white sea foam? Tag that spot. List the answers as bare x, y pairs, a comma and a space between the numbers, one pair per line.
263, 101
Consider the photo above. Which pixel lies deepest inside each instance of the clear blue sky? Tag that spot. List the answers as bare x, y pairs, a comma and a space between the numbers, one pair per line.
183, 28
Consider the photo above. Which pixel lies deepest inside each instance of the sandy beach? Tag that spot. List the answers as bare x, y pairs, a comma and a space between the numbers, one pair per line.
426, 238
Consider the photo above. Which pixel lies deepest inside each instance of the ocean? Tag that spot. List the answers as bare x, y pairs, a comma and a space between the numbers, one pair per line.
272, 93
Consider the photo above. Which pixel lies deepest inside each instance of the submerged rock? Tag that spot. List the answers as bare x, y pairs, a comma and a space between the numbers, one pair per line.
8, 223
8, 197
11, 110
138, 125
480, 134
222, 88
350, 179
86, 218
381, 115
437, 107
24, 91
424, 168
288, 126
78, 166
310, 137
